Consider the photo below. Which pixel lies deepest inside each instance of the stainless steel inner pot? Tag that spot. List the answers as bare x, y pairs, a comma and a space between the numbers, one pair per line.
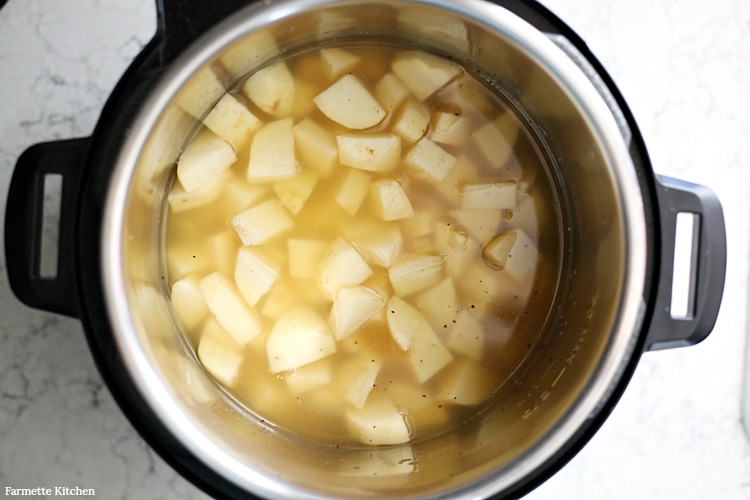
595, 327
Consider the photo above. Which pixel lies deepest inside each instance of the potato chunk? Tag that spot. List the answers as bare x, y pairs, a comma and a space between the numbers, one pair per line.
305, 256
262, 222
381, 243
404, 322
232, 121
371, 152
272, 90
255, 273
416, 271
336, 62
201, 92
467, 336
356, 378
378, 423
429, 160
450, 127
188, 302
427, 354
220, 354
481, 223
272, 155
424, 73
352, 190
412, 121
439, 304
350, 104
464, 383
308, 377
228, 308
391, 92
390, 200
204, 160
342, 266
316, 146
496, 139
298, 338
295, 192
488, 193
352, 307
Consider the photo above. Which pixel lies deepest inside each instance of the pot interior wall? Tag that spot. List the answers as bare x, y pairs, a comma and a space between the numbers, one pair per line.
559, 371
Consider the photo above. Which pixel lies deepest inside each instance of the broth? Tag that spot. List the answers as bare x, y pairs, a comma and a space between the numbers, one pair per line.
366, 277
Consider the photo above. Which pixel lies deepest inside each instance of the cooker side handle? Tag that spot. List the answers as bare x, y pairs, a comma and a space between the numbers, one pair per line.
707, 264
24, 217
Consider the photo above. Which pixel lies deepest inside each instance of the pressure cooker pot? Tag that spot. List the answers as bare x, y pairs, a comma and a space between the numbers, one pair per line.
611, 284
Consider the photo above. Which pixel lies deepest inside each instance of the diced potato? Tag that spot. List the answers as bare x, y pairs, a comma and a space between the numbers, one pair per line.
450, 127
287, 295
458, 248
203, 160
316, 146
378, 423
464, 168
294, 192
380, 243
464, 383
496, 139
255, 273
239, 195
304, 93
481, 223
412, 121
407, 394
232, 121
352, 190
371, 152
469, 94
305, 257
221, 249
342, 266
220, 354
522, 258
272, 90
352, 307
188, 259
241, 57
229, 308
272, 153
427, 159
524, 216
262, 222
404, 322
180, 200
298, 338
422, 223
497, 251
390, 200
467, 336
308, 377
427, 354
424, 73
350, 104
488, 193
336, 62
201, 92
391, 92
199, 385
188, 303
416, 271
438, 27
439, 304
356, 379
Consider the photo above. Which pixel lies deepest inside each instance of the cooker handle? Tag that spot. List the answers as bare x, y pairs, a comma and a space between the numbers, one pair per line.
180, 22
706, 258
24, 217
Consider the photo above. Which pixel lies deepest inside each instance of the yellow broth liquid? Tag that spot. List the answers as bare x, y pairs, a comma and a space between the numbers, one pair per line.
201, 240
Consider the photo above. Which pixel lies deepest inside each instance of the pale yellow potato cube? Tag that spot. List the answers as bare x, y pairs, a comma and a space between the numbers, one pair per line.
464, 168
391, 92
180, 200
221, 250
262, 222
481, 223
200, 93
439, 304
416, 271
428, 160
336, 62
370, 152
422, 223
459, 248
272, 90
188, 303
445, 28
244, 55
232, 121
239, 195
488, 193
524, 216
199, 385
356, 379
305, 256
495, 139
352, 307
316, 146
467, 336
288, 295
186, 260
308, 377
412, 121
497, 250
220, 354
450, 127
464, 383
255, 273
381, 243
379, 423
390, 201
427, 354
205, 158
470, 95
295, 192
522, 258
272, 155
352, 190
229, 309
298, 338
424, 73
342, 266
404, 322
349, 103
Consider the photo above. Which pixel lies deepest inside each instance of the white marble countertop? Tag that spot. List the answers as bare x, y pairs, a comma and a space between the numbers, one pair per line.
684, 68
